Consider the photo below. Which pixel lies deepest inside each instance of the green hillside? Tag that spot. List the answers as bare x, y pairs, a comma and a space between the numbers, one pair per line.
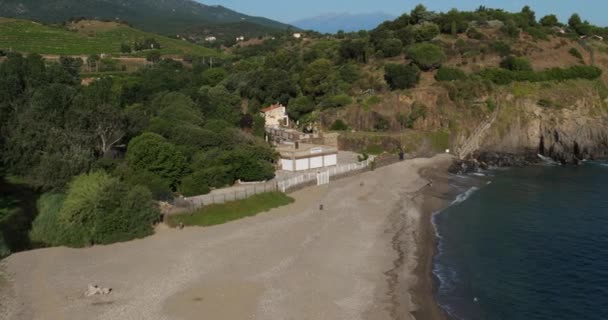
86, 37
160, 16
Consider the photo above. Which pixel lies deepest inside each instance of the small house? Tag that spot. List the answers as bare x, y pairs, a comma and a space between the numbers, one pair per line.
275, 116
210, 39
303, 156
240, 38
297, 35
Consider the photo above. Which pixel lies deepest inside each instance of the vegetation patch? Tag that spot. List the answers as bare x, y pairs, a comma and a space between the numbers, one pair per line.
222, 213
32, 37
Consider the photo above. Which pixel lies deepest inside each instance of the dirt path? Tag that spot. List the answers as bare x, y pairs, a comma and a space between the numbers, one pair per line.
294, 262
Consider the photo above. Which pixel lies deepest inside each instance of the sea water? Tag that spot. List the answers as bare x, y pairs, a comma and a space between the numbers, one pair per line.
526, 243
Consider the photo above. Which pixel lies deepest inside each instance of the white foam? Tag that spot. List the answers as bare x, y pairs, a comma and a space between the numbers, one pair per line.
464, 196
479, 174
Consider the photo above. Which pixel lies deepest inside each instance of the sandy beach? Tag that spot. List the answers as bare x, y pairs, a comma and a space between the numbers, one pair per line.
367, 255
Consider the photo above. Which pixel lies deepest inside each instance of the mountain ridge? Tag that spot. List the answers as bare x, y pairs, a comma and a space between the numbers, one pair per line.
348, 22
161, 16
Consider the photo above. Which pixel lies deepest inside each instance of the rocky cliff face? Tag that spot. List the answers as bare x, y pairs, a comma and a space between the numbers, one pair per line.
568, 134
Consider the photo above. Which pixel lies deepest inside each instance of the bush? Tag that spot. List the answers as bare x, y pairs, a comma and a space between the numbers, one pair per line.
337, 101
510, 29
515, 64
473, 33
364, 156
575, 53
401, 76
212, 77
391, 47
46, 228
501, 48
503, 76
450, 74
538, 33
194, 185
338, 125
426, 31
97, 209
426, 56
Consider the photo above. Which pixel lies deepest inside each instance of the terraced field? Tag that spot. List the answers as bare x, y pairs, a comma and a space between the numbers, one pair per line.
85, 37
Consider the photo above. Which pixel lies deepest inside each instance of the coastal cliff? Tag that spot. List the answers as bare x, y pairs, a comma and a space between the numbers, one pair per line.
567, 122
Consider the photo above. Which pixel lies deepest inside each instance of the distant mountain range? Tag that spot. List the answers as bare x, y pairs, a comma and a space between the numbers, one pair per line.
159, 16
333, 22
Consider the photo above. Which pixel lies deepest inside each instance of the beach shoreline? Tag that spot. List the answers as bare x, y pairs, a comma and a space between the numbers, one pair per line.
366, 255
433, 199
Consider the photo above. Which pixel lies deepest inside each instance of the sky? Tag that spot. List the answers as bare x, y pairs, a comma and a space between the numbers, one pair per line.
292, 10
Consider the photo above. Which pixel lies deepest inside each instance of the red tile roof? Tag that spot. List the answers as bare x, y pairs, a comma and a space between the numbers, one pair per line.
272, 107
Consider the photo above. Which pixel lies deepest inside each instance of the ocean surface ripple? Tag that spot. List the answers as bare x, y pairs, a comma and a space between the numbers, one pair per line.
533, 244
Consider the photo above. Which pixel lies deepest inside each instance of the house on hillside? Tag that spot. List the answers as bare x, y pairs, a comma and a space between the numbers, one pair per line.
275, 116
210, 39
297, 35
240, 38
303, 156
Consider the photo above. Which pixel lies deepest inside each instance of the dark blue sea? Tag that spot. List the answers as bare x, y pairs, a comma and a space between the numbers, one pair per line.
526, 243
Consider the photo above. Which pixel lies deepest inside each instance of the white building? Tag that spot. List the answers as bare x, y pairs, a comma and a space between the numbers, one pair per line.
303, 156
297, 35
240, 38
210, 39
275, 116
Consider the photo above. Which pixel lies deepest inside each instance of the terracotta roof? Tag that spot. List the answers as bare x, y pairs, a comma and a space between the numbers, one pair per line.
272, 107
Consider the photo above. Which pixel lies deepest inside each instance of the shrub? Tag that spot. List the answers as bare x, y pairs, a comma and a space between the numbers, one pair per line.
400, 76
503, 76
538, 33
338, 125
510, 29
391, 47
426, 31
473, 33
426, 56
194, 185
501, 48
213, 76
515, 64
125, 213
337, 101
97, 209
46, 228
450, 74
364, 156
575, 53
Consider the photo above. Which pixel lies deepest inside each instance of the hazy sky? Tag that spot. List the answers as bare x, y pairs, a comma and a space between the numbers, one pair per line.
290, 10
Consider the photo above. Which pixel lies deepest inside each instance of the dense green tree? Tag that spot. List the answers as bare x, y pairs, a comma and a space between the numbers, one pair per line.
319, 78
300, 106
151, 152
213, 76
426, 56
549, 20
354, 50
400, 76
575, 21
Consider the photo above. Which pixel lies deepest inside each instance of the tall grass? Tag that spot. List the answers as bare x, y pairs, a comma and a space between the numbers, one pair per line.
222, 213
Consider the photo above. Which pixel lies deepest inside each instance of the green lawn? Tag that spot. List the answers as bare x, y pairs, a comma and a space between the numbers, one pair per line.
222, 213
31, 37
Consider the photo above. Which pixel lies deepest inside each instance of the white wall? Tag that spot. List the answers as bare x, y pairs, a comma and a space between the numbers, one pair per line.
316, 162
331, 160
302, 164
287, 164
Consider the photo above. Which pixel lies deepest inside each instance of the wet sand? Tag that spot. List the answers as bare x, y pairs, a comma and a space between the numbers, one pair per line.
367, 255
